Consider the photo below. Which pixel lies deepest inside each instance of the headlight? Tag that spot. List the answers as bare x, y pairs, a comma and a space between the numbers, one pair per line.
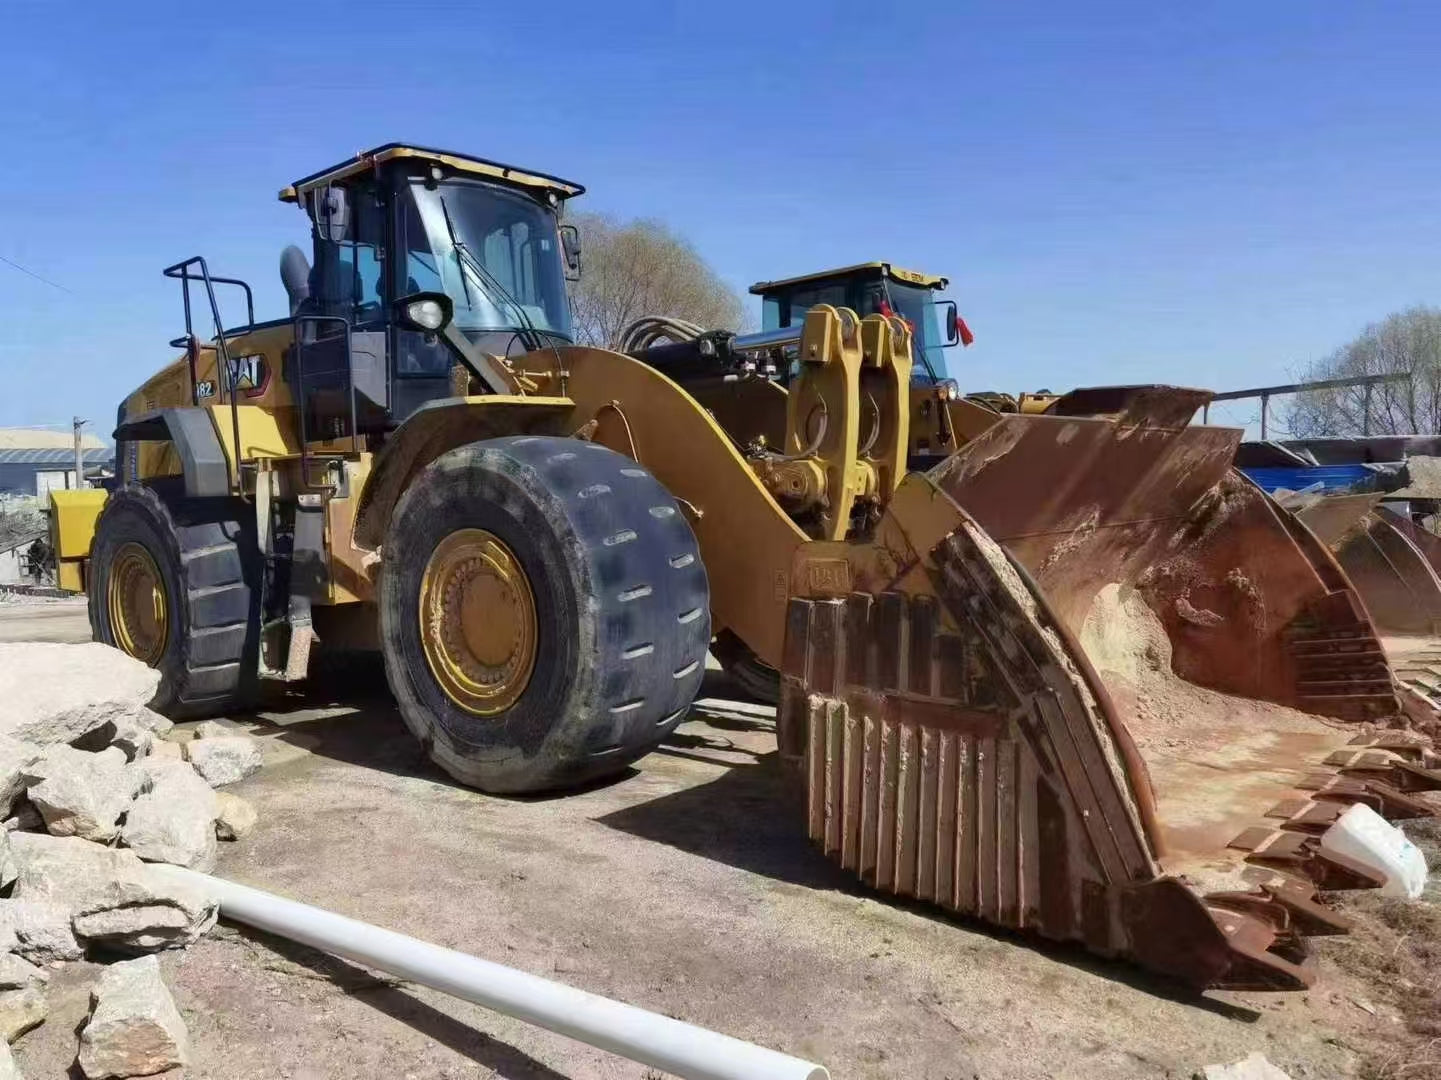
427, 314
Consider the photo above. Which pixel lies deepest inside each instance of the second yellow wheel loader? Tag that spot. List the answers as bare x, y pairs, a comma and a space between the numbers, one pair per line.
543, 539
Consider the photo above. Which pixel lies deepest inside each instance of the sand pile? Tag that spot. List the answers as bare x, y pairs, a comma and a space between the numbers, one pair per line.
1217, 763
1128, 646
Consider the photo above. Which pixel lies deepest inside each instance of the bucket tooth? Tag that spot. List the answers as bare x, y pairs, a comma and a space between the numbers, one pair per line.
1298, 898
1268, 953
1296, 853
1418, 778
1410, 743
1304, 815
1388, 801
1387, 766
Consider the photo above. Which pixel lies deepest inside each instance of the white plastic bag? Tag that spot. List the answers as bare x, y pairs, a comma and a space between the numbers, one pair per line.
1365, 836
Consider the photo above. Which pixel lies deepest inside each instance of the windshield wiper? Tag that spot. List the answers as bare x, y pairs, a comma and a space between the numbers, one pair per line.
456, 246
468, 261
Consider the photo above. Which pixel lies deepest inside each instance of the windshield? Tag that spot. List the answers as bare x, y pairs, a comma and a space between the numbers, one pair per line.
914, 304
519, 279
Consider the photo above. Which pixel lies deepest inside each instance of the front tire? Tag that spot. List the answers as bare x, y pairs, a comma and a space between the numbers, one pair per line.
176, 583
753, 675
544, 612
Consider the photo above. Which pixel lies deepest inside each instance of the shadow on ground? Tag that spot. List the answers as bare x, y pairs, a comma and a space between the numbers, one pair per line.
359, 723
390, 997
749, 816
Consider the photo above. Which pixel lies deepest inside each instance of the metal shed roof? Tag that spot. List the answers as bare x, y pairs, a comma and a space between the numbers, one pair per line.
32, 456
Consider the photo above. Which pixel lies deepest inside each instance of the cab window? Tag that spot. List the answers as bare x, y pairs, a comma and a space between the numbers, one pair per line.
803, 299
360, 269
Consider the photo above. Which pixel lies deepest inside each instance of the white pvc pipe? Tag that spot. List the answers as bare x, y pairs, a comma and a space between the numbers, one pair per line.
672, 1045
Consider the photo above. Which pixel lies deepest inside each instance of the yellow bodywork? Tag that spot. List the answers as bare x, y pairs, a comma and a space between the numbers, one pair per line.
724, 487
72, 525
843, 429
831, 450
457, 162
265, 433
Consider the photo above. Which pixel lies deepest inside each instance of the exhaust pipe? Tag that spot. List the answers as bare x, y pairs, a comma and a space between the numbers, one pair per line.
649, 1038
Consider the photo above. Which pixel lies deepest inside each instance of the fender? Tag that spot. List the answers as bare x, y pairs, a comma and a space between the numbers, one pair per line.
439, 426
190, 430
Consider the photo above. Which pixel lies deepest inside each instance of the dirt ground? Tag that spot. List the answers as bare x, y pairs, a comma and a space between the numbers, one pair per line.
24, 618
686, 887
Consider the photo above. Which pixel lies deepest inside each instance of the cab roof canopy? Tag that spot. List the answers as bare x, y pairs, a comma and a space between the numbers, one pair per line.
446, 159
882, 269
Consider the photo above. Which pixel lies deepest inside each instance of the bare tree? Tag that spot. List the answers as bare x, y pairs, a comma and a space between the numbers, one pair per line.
1408, 343
635, 268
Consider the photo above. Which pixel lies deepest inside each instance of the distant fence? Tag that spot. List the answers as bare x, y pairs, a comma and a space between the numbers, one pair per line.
1265, 393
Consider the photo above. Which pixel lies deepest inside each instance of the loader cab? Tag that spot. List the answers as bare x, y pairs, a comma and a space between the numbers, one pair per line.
399, 222
867, 289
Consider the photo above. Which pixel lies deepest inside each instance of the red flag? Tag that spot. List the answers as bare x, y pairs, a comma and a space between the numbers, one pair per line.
965, 331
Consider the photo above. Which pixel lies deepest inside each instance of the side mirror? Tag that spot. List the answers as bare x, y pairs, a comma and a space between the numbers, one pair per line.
570, 244
428, 312
957, 332
950, 316
330, 211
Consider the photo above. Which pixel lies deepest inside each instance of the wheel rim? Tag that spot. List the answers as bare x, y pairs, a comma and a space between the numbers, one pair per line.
477, 622
135, 599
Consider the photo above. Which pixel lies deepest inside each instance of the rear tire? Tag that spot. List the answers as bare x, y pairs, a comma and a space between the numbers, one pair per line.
208, 564
621, 611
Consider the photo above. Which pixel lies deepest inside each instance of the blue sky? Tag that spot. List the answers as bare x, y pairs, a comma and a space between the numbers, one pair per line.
1210, 194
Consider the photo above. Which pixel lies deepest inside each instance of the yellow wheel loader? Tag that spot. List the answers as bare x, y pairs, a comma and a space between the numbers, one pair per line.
543, 539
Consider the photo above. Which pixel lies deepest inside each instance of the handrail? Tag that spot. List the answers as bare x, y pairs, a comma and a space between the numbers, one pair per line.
181, 272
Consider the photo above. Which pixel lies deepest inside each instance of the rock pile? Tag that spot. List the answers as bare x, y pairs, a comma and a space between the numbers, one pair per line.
91, 792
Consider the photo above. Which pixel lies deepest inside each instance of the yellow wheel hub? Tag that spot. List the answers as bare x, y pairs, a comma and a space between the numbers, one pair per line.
477, 622
135, 601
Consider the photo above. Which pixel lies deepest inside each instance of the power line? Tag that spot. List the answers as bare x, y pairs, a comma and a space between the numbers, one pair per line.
32, 273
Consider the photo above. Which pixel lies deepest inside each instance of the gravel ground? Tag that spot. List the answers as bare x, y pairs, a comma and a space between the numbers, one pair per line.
685, 887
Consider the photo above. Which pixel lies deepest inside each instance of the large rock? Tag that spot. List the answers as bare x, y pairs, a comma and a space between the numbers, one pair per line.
79, 793
40, 929
234, 817
123, 733
21, 1010
134, 1028
16, 973
8, 1069
165, 750
133, 732
1253, 1066
148, 719
153, 769
111, 898
224, 759
8, 870
25, 818
53, 694
174, 821
139, 928
15, 758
